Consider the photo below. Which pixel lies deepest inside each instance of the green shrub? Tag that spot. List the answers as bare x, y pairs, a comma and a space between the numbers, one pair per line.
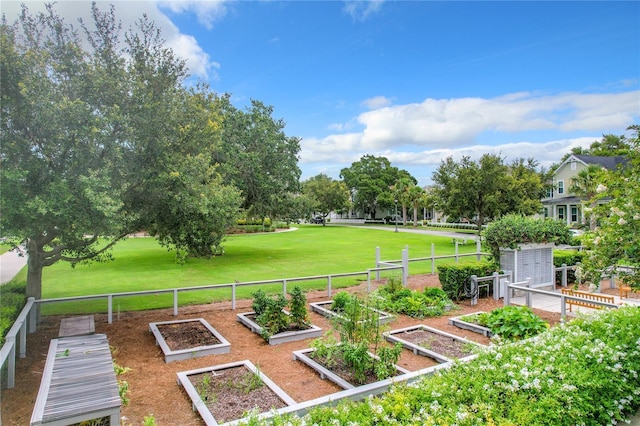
13, 299
340, 301
513, 322
453, 278
400, 300
570, 258
513, 230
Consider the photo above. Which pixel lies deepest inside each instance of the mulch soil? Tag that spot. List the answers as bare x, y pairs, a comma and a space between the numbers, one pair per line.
153, 386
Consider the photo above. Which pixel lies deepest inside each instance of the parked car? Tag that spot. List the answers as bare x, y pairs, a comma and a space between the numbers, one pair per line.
317, 219
393, 219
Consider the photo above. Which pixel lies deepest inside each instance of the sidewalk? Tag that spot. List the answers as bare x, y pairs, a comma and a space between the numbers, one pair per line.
10, 264
552, 303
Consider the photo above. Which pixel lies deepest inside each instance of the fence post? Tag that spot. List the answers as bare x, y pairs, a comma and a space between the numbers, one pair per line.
175, 302
33, 315
405, 266
284, 288
233, 296
456, 252
478, 249
528, 297
507, 294
474, 290
433, 258
329, 285
563, 307
23, 339
368, 281
377, 263
11, 367
564, 275
496, 286
110, 309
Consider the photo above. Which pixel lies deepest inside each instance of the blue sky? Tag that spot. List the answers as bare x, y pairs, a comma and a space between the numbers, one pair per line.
414, 81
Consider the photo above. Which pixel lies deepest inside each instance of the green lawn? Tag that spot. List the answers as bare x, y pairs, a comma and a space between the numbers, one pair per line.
141, 264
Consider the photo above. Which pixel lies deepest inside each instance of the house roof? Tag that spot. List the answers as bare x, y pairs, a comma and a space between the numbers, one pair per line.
609, 163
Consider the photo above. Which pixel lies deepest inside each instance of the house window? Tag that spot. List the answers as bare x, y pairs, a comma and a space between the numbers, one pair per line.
549, 192
561, 213
573, 165
560, 187
545, 212
574, 213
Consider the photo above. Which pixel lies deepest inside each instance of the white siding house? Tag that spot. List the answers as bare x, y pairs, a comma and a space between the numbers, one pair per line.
560, 203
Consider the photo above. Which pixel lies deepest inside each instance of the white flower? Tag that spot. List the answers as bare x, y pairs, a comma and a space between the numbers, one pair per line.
622, 222
601, 188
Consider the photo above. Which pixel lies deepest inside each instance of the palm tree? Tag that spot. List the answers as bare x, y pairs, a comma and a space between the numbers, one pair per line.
584, 185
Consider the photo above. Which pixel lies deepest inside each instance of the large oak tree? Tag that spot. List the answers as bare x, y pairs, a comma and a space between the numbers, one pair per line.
101, 139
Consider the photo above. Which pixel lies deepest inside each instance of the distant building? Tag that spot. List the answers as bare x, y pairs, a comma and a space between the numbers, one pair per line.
560, 203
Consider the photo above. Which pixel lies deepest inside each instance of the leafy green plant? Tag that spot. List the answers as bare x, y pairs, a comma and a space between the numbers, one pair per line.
13, 300
273, 319
512, 322
340, 300
298, 307
204, 387
360, 331
260, 301
270, 314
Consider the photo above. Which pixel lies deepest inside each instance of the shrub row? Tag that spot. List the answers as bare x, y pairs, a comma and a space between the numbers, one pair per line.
583, 373
13, 298
454, 278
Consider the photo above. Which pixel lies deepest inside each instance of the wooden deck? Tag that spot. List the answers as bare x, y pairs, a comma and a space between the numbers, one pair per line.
78, 383
77, 326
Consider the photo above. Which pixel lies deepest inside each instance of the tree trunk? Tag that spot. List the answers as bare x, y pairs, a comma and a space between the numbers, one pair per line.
415, 217
34, 274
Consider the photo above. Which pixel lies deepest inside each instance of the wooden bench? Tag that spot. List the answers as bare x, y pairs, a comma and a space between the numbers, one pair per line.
625, 289
78, 383
77, 326
588, 297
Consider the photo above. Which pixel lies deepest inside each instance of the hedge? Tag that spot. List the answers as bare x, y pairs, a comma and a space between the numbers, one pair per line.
454, 278
570, 258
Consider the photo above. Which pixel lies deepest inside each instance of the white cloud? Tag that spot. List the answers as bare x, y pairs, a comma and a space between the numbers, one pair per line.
360, 10
458, 122
208, 12
129, 12
376, 102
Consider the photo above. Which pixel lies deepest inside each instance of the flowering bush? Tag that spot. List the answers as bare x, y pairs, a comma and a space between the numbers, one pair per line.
582, 373
614, 243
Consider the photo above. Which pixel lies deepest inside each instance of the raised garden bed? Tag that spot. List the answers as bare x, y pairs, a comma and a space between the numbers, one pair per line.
433, 343
466, 325
248, 320
324, 309
186, 339
226, 392
339, 374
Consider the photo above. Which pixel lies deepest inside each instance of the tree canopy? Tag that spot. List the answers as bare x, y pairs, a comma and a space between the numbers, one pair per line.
370, 181
327, 194
257, 157
487, 189
103, 140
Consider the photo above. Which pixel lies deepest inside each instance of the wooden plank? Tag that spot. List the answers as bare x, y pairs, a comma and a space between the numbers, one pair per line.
77, 326
78, 383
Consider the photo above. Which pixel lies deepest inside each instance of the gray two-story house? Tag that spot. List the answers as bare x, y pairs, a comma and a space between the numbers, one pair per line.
560, 203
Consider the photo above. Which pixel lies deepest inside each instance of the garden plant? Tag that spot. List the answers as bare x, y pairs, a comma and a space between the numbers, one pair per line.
393, 297
271, 315
361, 342
510, 322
